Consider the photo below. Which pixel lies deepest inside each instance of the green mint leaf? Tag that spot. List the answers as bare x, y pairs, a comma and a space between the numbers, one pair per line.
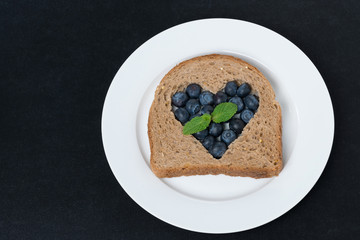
223, 112
197, 124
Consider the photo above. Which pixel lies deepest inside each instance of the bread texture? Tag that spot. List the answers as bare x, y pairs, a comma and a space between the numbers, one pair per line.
256, 153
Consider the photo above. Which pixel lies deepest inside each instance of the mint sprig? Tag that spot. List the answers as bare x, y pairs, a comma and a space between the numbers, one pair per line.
222, 113
197, 124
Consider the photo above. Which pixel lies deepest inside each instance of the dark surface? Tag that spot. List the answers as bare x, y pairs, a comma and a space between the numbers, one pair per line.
57, 60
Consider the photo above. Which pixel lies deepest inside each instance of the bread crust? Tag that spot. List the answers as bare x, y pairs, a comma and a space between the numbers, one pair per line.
256, 153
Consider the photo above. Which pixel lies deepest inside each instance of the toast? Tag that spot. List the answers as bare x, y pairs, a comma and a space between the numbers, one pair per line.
256, 153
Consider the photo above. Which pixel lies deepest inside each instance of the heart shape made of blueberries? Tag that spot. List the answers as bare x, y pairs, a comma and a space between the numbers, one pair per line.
217, 136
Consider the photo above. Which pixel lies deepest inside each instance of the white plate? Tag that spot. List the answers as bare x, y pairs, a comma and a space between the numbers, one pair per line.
219, 204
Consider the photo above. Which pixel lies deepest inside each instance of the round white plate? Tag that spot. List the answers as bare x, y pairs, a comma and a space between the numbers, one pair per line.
219, 204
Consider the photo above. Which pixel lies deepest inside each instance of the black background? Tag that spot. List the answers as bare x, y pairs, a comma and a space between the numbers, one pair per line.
57, 60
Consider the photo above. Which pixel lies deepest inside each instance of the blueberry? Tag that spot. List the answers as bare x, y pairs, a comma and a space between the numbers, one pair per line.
243, 90
237, 115
193, 90
182, 115
237, 125
206, 109
215, 129
201, 135
231, 88
220, 97
218, 149
179, 99
237, 100
193, 106
228, 136
246, 115
208, 142
251, 102
206, 98
195, 115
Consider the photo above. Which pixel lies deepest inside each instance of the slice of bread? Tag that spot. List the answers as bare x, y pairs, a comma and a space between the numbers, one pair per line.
256, 153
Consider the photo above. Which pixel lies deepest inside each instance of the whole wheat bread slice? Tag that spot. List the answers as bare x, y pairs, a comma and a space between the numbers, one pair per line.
256, 153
